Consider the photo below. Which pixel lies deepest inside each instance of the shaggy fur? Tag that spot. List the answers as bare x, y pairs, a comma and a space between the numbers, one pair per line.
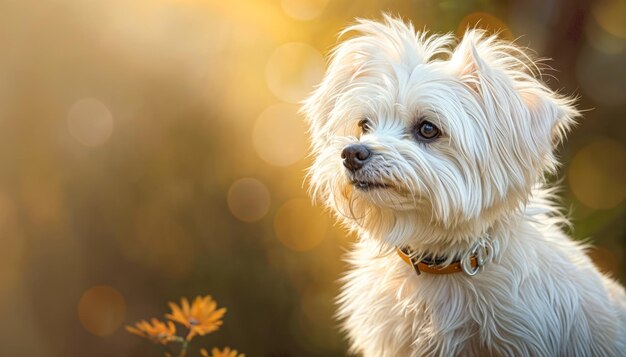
481, 180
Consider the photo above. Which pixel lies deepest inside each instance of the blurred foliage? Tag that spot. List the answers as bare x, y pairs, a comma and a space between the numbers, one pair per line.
152, 149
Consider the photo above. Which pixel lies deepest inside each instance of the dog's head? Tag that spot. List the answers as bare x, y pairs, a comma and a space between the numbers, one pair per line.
411, 131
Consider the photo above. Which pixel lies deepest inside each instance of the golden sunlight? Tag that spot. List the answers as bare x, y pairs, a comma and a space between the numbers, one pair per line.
303, 9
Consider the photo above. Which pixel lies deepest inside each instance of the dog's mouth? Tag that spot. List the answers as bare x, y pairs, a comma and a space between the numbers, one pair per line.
368, 185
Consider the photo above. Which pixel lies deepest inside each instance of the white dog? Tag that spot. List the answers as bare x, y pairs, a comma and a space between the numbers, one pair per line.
434, 153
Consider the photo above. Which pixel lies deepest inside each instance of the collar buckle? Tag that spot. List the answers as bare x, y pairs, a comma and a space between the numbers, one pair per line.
405, 254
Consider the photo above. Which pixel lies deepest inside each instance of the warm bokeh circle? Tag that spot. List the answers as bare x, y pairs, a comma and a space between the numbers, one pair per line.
248, 199
597, 174
101, 310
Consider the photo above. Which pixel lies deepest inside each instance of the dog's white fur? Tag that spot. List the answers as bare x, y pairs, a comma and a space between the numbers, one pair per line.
483, 179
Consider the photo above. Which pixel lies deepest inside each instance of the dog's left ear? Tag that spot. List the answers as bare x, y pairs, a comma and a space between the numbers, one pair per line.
496, 69
551, 113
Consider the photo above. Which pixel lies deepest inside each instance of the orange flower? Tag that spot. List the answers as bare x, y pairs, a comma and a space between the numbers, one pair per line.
226, 352
200, 318
157, 331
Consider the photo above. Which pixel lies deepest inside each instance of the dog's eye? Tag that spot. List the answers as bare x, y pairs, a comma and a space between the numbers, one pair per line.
365, 126
427, 131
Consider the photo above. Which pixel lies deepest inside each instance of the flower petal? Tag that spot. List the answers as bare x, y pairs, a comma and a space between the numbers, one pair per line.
185, 305
177, 315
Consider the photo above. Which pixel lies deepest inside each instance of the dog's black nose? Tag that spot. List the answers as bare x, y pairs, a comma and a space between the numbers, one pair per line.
354, 156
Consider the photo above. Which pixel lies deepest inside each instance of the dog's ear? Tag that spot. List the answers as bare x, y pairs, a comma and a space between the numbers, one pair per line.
554, 113
494, 69
467, 63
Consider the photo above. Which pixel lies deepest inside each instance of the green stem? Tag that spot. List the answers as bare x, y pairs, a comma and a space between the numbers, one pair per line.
183, 351
184, 343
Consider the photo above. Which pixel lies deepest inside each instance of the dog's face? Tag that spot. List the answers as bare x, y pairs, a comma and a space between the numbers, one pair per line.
406, 124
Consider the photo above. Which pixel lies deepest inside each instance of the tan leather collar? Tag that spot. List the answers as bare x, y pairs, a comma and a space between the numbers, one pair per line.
429, 267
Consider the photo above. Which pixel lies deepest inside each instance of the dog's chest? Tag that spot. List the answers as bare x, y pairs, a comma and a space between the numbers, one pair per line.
390, 310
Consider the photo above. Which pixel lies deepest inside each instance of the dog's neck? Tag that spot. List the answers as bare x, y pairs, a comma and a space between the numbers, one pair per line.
444, 244
409, 229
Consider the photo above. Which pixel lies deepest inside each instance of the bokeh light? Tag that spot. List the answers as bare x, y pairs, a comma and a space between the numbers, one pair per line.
248, 199
101, 310
90, 122
279, 135
300, 226
597, 174
303, 9
603, 41
611, 15
292, 71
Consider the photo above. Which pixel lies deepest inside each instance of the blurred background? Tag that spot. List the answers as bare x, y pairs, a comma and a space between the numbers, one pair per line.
151, 149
